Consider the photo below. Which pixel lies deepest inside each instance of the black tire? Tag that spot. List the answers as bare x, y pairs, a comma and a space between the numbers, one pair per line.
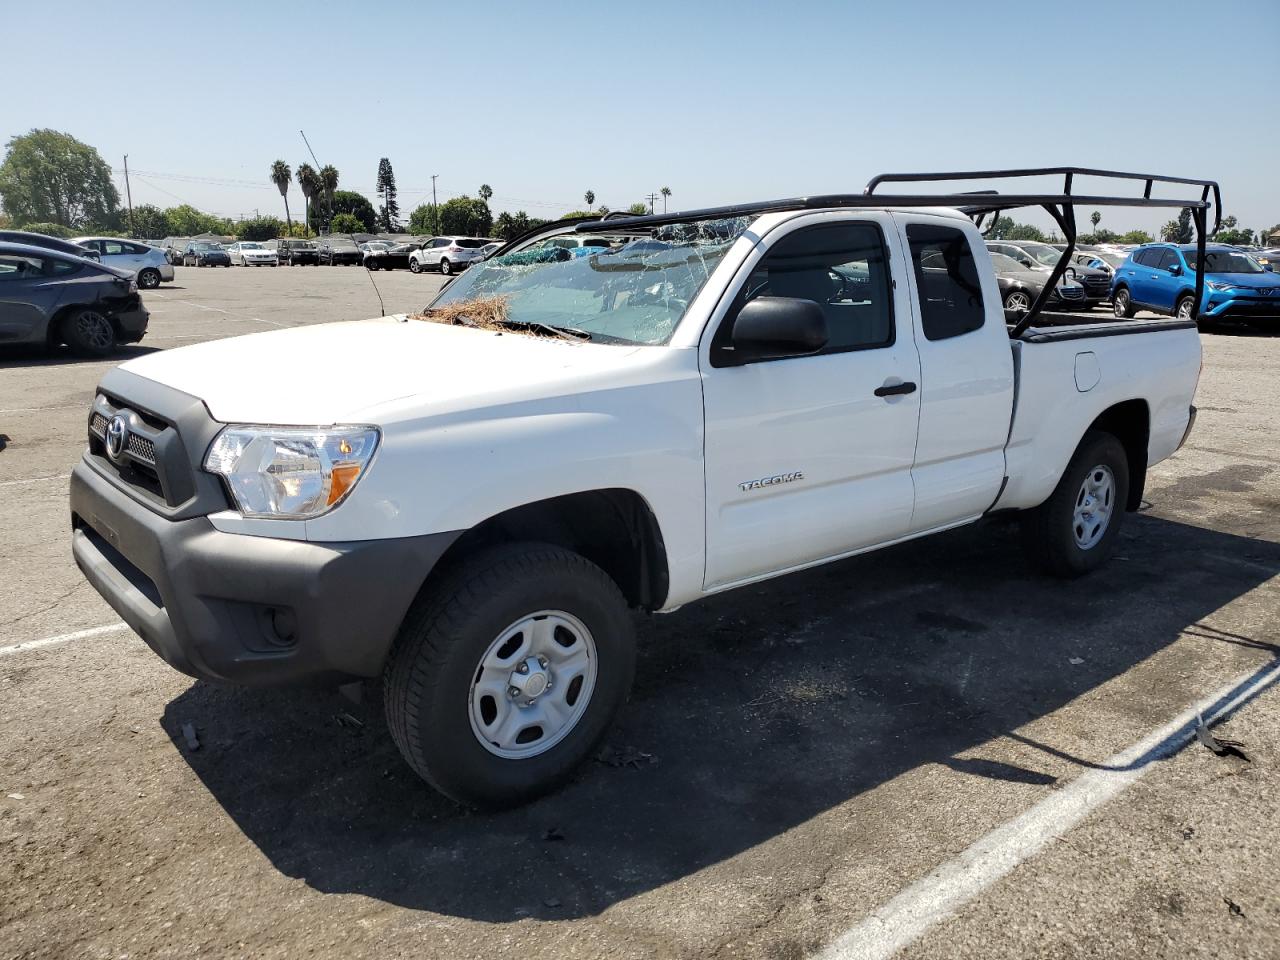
1051, 533
149, 278
428, 679
1122, 305
371, 264
89, 332
415, 267
445, 266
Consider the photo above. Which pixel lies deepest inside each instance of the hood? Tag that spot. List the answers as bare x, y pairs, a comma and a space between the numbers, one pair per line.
1253, 281
340, 372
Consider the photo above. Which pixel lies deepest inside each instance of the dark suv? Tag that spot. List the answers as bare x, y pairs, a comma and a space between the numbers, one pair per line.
293, 251
339, 250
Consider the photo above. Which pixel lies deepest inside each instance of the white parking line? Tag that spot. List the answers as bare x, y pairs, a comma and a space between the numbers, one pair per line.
948, 888
61, 638
13, 483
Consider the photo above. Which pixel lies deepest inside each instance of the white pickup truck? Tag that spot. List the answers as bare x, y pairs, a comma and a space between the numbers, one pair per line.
466, 503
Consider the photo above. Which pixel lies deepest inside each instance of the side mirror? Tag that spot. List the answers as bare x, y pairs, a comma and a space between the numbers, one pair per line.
1175, 269
771, 328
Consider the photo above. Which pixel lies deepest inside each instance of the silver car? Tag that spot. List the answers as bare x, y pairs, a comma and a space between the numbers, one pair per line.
447, 254
150, 265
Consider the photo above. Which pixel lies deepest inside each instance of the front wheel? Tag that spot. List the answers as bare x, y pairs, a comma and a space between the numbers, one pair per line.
415, 266
1122, 305
1017, 300
1183, 309
508, 672
445, 267
1075, 530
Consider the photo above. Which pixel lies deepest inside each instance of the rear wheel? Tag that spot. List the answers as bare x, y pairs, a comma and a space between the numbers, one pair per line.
1074, 531
149, 278
1122, 305
89, 332
508, 672
445, 266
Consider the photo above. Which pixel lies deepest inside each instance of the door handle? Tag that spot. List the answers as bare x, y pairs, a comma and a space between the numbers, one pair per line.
896, 390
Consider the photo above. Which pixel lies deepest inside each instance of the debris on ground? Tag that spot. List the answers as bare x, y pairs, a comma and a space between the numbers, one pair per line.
189, 734
1076, 661
347, 721
1233, 908
1222, 748
625, 756
552, 834
551, 902
17, 796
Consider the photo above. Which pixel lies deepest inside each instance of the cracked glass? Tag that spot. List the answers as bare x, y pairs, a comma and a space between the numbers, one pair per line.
631, 287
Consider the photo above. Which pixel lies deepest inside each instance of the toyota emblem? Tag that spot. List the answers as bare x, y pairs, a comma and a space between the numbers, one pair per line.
117, 436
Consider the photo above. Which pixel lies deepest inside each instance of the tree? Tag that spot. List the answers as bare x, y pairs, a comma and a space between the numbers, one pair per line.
509, 226
1136, 236
50, 230
485, 192
329, 185
590, 197
261, 228
422, 220
1005, 228
1179, 231
346, 223
186, 221
666, 194
53, 177
639, 209
1230, 233
282, 176
309, 183
1095, 218
389, 213
151, 222
466, 216
358, 205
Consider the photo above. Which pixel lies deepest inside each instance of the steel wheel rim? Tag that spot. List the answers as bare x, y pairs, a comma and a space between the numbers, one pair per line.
1095, 503
1017, 301
533, 684
95, 329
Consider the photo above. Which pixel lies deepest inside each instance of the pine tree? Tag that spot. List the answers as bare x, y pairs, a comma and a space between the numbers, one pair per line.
389, 214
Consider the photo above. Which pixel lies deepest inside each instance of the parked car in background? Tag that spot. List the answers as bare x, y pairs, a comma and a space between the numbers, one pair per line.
489, 249
1042, 257
249, 253
1019, 287
174, 248
49, 243
1161, 277
292, 251
388, 257
50, 297
447, 254
205, 253
335, 251
1269, 259
149, 264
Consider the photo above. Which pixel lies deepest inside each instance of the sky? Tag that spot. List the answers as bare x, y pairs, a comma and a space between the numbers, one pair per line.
720, 101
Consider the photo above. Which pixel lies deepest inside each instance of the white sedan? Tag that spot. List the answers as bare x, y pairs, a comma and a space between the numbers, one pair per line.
246, 253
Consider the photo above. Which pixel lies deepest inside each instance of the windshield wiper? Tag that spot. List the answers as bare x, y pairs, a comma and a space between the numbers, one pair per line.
565, 333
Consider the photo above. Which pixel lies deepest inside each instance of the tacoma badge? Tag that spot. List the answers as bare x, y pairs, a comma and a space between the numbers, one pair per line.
770, 481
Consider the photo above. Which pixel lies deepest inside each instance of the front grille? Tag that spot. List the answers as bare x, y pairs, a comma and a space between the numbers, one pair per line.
150, 462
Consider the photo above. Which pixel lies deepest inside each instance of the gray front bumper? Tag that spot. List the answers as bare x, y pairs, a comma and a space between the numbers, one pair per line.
248, 610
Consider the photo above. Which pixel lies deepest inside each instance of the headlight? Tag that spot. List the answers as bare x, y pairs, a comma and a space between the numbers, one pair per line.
1218, 285
291, 473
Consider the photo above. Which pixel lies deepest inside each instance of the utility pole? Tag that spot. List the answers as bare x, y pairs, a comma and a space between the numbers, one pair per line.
128, 193
435, 210
652, 198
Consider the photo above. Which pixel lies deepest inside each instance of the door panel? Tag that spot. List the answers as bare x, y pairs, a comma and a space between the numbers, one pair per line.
803, 460
966, 370
1164, 285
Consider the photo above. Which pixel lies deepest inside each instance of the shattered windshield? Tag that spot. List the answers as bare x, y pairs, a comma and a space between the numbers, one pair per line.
634, 291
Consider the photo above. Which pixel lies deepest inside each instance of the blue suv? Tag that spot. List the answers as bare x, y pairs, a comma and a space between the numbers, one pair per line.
1162, 277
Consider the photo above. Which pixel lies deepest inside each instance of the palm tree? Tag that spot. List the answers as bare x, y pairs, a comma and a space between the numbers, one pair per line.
281, 176
666, 192
1095, 218
590, 197
485, 192
329, 183
309, 183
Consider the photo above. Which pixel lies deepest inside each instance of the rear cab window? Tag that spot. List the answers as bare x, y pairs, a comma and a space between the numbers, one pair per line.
947, 280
